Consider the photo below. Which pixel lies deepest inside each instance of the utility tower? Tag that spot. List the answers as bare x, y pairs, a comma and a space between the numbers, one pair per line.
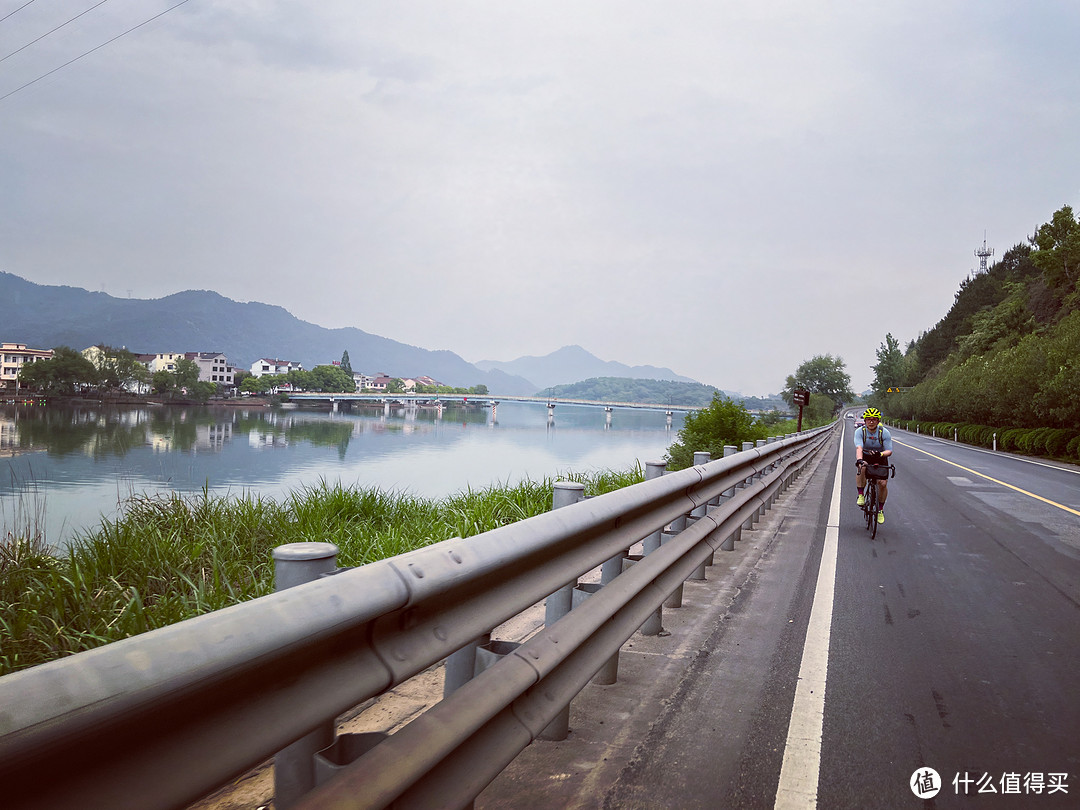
984, 253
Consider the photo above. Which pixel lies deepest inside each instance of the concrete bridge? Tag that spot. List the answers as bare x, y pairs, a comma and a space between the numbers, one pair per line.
334, 399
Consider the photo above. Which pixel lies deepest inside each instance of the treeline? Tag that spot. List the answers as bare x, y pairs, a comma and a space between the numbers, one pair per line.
624, 389
1007, 354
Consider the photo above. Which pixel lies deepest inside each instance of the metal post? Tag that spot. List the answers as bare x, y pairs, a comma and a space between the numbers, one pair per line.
701, 458
654, 625
730, 450
609, 672
559, 603
294, 766
459, 667
653, 469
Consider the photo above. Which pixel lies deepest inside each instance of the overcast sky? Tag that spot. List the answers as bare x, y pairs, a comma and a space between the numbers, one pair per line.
723, 188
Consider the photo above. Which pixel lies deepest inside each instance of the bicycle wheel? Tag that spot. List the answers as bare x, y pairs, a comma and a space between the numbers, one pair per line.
873, 512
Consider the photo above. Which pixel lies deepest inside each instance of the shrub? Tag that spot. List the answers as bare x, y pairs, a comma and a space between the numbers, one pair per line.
1072, 449
1009, 439
1058, 440
1034, 442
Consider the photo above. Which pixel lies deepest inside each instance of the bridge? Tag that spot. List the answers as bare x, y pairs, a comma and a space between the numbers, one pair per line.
487, 400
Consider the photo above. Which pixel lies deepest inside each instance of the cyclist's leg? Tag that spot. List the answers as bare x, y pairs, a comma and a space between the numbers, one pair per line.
860, 484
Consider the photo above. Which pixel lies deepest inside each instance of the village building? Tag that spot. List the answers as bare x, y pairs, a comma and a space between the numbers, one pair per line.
12, 357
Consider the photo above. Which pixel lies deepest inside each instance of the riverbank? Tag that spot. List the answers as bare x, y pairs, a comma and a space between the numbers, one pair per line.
169, 558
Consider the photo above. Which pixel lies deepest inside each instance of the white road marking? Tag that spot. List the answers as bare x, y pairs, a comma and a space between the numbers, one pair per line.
802, 755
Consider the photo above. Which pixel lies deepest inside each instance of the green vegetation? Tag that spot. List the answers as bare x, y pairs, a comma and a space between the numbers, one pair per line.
822, 374
165, 559
1005, 356
623, 389
726, 422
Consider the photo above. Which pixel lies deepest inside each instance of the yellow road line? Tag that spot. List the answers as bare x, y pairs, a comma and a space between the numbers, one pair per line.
988, 478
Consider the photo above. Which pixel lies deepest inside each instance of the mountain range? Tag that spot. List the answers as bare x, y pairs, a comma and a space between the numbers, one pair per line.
576, 364
42, 316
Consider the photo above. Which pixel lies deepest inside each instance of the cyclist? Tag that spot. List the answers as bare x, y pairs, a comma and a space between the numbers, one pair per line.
873, 445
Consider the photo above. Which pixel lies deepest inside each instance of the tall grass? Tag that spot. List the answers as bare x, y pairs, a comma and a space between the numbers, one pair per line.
168, 558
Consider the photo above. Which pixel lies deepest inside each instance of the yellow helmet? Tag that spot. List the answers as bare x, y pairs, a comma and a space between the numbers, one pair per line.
871, 413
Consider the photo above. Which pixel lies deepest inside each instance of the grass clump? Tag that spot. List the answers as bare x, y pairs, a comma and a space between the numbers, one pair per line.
169, 558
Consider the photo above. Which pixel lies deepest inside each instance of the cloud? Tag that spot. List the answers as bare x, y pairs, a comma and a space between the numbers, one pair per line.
725, 189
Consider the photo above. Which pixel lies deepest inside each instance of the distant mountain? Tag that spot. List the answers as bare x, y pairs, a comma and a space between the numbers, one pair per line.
572, 364
45, 317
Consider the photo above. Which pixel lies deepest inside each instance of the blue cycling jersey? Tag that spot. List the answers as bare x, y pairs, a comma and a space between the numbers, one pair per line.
873, 441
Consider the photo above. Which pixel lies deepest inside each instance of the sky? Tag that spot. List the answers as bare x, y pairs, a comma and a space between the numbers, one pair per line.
726, 189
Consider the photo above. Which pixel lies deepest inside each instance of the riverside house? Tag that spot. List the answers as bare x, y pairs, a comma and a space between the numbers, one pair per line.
12, 357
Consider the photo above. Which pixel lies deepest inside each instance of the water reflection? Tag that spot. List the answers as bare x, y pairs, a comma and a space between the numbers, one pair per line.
85, 460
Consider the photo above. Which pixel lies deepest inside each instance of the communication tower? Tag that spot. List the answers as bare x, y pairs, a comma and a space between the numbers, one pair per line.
984, 253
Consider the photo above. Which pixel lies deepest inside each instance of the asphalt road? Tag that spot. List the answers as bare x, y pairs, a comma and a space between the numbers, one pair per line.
818, 667
956, 634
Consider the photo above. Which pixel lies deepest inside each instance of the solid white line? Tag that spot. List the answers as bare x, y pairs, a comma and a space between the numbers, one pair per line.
802, 755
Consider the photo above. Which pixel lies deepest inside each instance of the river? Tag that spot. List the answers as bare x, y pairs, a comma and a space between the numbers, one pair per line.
65, 468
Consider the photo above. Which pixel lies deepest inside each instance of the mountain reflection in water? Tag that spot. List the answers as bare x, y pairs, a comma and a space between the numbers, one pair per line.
70, 465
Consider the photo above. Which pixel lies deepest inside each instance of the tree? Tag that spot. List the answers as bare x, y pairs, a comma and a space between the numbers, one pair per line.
186, 374
346, 366
821, 374
118, 368
723, 422
163, 382
889, 369
330, 379
66, 372
1058, 253
395, 386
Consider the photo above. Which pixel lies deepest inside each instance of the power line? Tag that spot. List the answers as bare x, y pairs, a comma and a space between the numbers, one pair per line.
28, 44
20, 8
96, 48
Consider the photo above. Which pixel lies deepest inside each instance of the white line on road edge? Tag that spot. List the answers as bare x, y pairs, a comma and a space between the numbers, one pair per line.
802, 755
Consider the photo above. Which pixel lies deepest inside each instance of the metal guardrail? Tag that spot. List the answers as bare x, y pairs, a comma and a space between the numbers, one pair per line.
161, 719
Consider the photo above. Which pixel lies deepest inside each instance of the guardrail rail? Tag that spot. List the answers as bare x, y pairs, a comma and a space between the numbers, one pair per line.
164, 718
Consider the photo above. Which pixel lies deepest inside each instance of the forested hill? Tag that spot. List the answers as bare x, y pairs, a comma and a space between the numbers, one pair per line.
1008, 351
659, 392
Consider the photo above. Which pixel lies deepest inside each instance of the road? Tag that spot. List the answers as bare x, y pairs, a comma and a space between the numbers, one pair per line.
823, 668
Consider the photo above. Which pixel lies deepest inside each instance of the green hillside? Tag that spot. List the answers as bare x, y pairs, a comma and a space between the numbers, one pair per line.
1007, 354
623, 389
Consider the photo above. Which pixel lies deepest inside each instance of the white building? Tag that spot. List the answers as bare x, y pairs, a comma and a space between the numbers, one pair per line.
274, 368
13, 356
213, 367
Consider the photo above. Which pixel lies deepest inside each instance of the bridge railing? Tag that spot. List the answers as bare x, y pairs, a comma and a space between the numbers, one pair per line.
161, 719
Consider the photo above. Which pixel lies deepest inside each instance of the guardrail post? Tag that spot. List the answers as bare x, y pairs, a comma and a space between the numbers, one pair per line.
294, 765
609, 672
653, 469
559, 603
749, 522
995, 442
459, 667
761, 510
654, 625
730, 450
701, 458
677, 525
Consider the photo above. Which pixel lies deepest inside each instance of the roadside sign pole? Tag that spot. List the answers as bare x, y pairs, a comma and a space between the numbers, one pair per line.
800, 396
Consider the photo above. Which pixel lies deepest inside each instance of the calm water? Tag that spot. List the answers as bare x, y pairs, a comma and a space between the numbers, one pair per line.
65, 468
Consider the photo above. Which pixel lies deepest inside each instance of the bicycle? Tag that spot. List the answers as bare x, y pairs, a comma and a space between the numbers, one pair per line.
871, 507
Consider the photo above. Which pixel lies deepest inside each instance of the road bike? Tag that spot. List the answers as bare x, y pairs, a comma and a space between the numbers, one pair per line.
871, 507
